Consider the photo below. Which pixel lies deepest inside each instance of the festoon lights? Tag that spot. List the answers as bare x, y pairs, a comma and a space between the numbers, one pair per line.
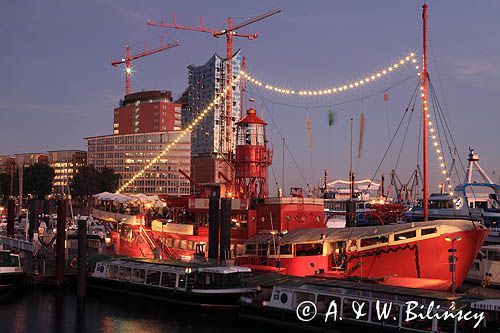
181, 135
336, 88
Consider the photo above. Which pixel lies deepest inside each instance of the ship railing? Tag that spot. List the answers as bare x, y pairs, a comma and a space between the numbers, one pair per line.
494, 228
156, 244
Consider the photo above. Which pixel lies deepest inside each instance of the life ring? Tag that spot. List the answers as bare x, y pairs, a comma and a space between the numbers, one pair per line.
73, 263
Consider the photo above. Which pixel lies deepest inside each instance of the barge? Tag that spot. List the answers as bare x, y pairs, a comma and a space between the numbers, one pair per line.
182, 283
328, 305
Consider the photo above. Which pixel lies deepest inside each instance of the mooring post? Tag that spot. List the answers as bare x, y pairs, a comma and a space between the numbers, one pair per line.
213, 229
82, 260
11, 215
61, 241
32, 217
225, 230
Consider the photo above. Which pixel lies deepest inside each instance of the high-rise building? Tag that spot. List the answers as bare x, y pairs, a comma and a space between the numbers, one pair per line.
7, 164
27, 159
208, 140
65, 164
127, 154
147, 111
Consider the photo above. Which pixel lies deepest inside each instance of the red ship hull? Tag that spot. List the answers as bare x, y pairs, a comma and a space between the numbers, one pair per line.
422, 263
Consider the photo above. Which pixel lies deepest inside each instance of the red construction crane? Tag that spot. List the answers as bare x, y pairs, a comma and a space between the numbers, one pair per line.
230, 31
128, 61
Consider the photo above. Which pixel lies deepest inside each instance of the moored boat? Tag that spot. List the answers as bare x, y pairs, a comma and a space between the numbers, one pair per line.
184, 283
11, 271
326, 305
471, 200
486, 267
411, 254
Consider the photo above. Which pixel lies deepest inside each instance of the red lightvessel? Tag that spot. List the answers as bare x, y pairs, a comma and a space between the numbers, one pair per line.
288, 234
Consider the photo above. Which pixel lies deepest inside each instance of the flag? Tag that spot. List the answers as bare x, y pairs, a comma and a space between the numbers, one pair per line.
362, 121
331, 117
309, 129
386, 96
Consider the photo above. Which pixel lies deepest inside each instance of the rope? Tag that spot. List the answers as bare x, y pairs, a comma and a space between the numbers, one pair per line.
282, 137
390, 250
393, 137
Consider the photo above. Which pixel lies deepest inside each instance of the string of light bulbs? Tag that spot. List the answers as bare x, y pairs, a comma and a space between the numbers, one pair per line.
181, 135
436, 142
337, 88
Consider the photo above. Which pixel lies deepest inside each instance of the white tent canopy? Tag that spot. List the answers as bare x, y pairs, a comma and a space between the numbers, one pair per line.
143, 199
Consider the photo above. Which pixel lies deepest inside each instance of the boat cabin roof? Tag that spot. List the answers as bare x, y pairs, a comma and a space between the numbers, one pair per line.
225, 269
313, 235
176, 266
329, 285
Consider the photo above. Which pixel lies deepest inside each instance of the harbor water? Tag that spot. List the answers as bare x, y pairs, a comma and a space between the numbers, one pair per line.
47, 310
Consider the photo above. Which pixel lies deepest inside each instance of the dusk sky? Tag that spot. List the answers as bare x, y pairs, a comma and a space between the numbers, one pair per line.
57, 85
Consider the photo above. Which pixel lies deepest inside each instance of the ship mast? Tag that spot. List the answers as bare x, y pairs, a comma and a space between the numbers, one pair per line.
424, 76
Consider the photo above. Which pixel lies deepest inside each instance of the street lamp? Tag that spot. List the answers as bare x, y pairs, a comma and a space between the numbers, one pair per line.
163, 222
452, 259
279, 234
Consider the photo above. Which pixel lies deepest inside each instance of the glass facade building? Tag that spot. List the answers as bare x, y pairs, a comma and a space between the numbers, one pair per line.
205, 82
65, 164
127, 154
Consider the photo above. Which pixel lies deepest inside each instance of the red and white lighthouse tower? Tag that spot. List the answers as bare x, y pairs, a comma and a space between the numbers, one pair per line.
252, 157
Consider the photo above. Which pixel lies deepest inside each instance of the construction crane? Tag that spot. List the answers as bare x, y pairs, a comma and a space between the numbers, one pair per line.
229, 32
128, 60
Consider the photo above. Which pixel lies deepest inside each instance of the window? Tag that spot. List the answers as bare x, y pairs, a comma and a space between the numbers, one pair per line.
168, 280
176, 243
348, 311
286, 249
374, 241
392, 318
405, 235
138, 275
493, 255
428, 231
182, 282
170, 242
475, 267
124, 273
308, 249
418, 324
323, 303
153, 278
299, 297
262, 249
250, 249
112, 272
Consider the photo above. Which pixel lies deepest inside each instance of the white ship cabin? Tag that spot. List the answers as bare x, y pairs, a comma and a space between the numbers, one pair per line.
486, 267
175, 275
10, 262
328, 241
448, 201
291, 291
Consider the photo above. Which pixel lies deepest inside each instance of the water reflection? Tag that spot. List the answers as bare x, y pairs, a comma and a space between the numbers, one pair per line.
49, 310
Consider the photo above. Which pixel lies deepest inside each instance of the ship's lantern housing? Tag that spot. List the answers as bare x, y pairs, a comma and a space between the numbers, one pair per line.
252, 157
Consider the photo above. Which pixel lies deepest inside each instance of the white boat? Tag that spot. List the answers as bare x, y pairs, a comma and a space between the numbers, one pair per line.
486, 268
468, 201
337, 196
182, 283
11, 270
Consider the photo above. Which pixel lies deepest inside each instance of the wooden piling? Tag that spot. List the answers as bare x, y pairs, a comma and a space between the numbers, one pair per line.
61, 241
225, 229
11, 215
82, 260
213, 229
